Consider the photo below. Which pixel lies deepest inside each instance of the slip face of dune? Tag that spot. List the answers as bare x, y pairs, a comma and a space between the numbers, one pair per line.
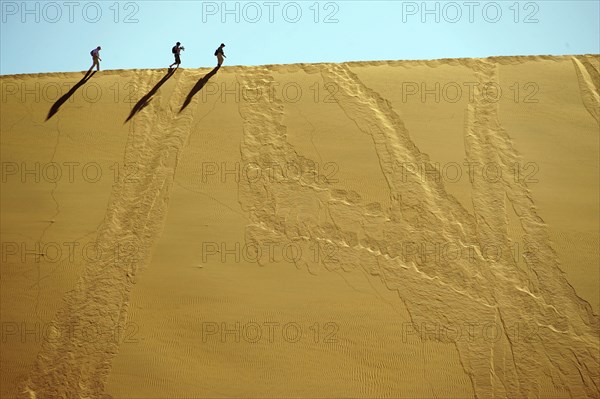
390, 229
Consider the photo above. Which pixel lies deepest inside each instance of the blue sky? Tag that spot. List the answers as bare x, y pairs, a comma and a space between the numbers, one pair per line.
51, 36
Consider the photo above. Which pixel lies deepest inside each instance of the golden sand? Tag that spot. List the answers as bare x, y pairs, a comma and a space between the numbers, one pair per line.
402, 229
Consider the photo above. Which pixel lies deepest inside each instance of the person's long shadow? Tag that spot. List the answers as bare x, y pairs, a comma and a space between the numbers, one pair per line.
148, 97
199, 85
54, 109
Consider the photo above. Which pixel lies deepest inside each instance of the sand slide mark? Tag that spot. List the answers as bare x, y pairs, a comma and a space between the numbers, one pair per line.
589, 84
366, 237
447, 293
565, 345
424, 212
74, 363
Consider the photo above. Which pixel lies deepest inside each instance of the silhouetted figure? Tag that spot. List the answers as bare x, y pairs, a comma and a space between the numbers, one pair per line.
199, 85
95, 53
220, 55
146, 99
176, 50
54, 109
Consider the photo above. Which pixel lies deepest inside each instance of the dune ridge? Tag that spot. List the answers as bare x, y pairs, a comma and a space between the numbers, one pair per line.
502, 60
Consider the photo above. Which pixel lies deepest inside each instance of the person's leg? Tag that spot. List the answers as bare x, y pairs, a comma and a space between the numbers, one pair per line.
219, 59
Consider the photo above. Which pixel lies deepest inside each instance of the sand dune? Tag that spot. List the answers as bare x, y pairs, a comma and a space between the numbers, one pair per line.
402, 229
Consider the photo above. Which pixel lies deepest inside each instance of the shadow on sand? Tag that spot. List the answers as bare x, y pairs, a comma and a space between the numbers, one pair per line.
199, 85
148, 97
54, 109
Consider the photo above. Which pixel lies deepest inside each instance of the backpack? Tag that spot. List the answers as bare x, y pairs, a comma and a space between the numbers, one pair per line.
92, 52
216, 52
174, 50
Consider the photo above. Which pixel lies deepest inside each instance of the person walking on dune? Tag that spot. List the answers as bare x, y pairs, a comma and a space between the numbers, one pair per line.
95, 53
176, 50
220, 55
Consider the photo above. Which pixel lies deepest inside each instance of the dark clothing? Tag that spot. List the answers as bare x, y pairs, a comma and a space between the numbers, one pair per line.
177, 59
219, 51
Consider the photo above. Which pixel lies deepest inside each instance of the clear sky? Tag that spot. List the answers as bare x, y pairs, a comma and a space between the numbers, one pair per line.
51, 36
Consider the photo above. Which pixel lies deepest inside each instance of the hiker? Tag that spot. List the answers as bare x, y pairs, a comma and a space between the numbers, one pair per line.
95, 53
176, 50
220, 55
